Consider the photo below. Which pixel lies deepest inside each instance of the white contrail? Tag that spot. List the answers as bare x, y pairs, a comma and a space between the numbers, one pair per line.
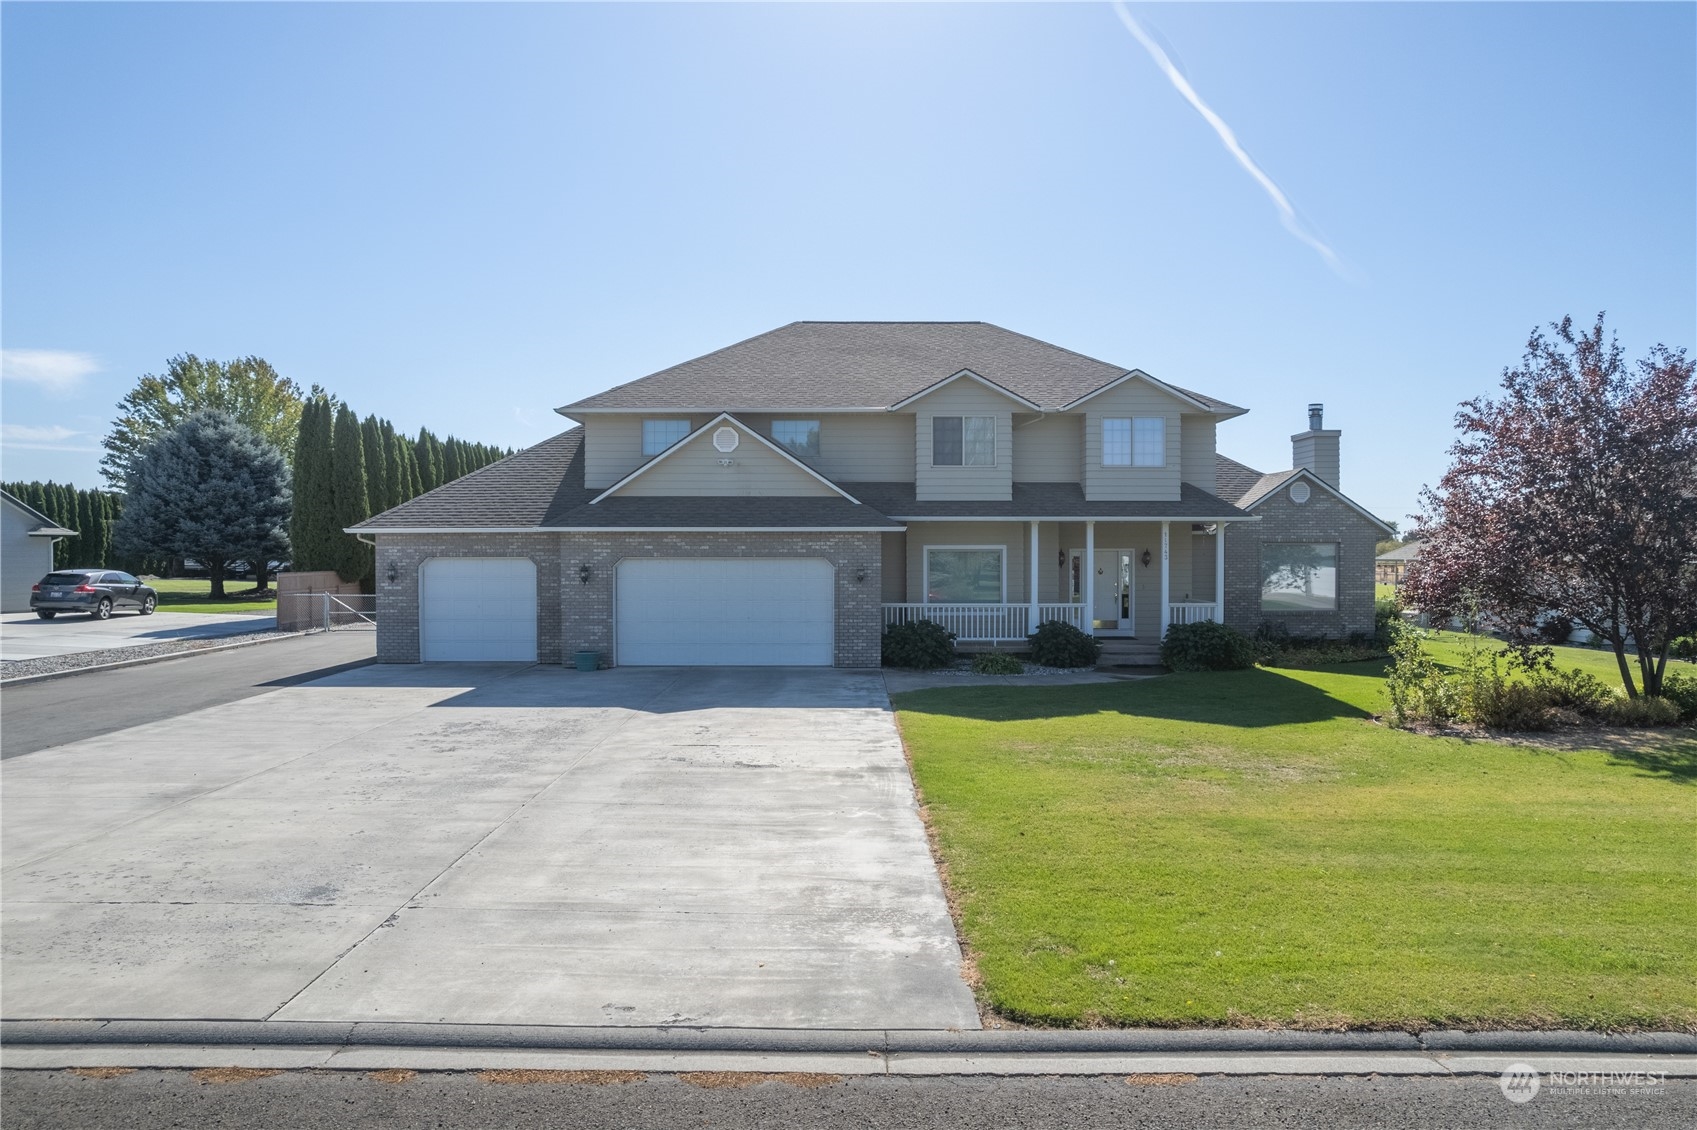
1287, 214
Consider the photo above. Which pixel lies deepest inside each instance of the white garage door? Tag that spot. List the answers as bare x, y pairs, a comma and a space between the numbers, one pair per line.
726, 612
477, 609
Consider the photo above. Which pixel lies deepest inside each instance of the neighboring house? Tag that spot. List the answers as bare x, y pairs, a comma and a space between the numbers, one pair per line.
1390, 567
782, 500
26, 550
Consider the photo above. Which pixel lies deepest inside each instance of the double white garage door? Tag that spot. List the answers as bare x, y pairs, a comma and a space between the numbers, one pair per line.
692, 612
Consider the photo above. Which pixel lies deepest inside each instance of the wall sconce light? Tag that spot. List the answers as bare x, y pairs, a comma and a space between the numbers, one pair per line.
394, 574
1146, 558
584, 573
860, 576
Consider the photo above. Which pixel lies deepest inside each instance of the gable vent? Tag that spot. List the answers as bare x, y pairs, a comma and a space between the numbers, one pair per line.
726, 439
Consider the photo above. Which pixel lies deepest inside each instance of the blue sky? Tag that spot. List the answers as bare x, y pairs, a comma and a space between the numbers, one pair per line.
462, 216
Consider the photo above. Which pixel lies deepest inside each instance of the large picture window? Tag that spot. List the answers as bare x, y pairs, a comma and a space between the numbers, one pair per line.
1134, 441
963, 441
801, 437
964, 574
1299, 577
658, 435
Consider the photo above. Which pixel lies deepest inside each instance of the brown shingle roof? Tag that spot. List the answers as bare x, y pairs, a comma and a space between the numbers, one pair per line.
844, 365
1042, 500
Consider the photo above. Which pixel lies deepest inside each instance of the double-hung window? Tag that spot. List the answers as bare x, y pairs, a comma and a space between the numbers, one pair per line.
963, 441
658, 435
1134, 441
799, 437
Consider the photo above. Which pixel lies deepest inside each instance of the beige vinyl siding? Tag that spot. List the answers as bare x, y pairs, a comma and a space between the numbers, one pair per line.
612, 444
894, 573
1011, 535
1048, 449
693, 470
866, 447
1196, 451
965, 397
1143, 484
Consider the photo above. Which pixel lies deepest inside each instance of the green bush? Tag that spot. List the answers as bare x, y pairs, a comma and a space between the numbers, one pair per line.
1207, 646
1575, 690
1387, 617
920, 644
1681, 690
1056, 643
1685, 647
1555, 630
1640, 712
1417, 687
996, 663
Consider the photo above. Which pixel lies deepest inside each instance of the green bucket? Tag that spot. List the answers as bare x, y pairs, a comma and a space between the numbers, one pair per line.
587, 660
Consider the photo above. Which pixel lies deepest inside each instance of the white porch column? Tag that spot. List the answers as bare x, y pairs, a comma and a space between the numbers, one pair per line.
1090, 578
1031, 582
1166, 576
1220, 572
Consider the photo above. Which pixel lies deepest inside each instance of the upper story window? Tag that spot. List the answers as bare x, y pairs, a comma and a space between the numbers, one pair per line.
800, 437
1136, 441
658, 435
963, 441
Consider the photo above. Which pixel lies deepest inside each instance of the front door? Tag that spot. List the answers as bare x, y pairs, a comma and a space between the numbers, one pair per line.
1115, 574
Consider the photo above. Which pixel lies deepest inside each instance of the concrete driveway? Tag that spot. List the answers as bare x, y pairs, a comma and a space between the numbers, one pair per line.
24, 635
487, 845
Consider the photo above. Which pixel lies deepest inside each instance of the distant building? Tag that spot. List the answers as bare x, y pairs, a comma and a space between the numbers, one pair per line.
1389, 568
26, 550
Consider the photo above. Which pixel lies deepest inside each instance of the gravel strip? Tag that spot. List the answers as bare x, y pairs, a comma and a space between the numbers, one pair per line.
964, 667
52, 664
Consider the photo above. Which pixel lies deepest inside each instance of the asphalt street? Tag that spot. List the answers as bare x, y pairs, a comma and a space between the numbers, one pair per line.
63, 1100
54, 712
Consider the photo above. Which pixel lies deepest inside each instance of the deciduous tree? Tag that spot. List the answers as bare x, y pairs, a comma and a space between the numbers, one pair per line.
1573, 494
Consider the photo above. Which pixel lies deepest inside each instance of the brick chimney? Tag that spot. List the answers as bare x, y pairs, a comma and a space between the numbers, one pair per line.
1317, 448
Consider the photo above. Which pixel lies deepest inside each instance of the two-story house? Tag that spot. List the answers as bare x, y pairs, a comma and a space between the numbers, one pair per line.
782, 500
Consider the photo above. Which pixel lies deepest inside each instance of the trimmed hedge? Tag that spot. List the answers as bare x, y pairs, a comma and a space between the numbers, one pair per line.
1056, 643
1207, 646
920, 644
996, 663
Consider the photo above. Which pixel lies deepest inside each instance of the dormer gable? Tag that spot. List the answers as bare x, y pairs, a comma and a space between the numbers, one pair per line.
724, 458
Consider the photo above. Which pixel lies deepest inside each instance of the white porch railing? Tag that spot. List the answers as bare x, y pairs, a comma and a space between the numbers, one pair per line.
1191, 612
984, 623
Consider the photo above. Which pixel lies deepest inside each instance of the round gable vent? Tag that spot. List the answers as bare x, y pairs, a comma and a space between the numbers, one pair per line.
726, 439
1299, 492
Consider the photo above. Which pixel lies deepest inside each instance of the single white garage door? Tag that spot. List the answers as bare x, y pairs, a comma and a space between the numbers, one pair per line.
477, 609
726, 612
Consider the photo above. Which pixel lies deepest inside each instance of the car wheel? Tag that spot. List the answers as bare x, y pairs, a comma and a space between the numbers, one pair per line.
147, 605
45, 614
103, 610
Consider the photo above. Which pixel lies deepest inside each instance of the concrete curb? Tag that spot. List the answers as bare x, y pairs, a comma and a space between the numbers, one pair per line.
815, 1041
144, 660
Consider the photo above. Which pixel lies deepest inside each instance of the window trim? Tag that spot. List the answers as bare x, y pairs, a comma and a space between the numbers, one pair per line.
646, 420
1337, 574
1131, 462
925, 573
963, 417
818, 436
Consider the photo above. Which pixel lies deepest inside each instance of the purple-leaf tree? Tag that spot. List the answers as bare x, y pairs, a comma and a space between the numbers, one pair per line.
1573, 494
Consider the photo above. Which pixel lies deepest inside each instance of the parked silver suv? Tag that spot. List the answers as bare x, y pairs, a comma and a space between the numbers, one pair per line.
98, 592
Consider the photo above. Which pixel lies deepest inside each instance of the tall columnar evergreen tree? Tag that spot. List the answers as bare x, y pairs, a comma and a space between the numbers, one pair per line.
376, 465
352, 503
210, 488
312, 528
395, 467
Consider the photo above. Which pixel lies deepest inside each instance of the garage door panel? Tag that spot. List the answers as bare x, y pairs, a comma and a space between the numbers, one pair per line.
477, 609
699, 612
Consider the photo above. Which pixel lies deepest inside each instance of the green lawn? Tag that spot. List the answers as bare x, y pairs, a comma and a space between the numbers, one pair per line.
1448, 648
1382, 591
190, 595
1250, 847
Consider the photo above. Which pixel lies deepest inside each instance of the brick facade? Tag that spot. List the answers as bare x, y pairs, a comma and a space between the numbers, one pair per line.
1323, 518
397, 601
573, 616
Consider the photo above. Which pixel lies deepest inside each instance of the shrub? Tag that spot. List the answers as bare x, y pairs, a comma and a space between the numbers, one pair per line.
1640, 712
996, 663
1681, 690
1685, 647
1576, 690
1555, 630
1207, 646
1056, 643
921, 644
1387, 617
1416, 685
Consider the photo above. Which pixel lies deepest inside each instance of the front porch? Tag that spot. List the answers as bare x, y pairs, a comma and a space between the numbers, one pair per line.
994, 582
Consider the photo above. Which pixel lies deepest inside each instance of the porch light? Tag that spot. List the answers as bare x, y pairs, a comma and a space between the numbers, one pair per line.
1146, 558
860, 576
394, 574
583, 573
